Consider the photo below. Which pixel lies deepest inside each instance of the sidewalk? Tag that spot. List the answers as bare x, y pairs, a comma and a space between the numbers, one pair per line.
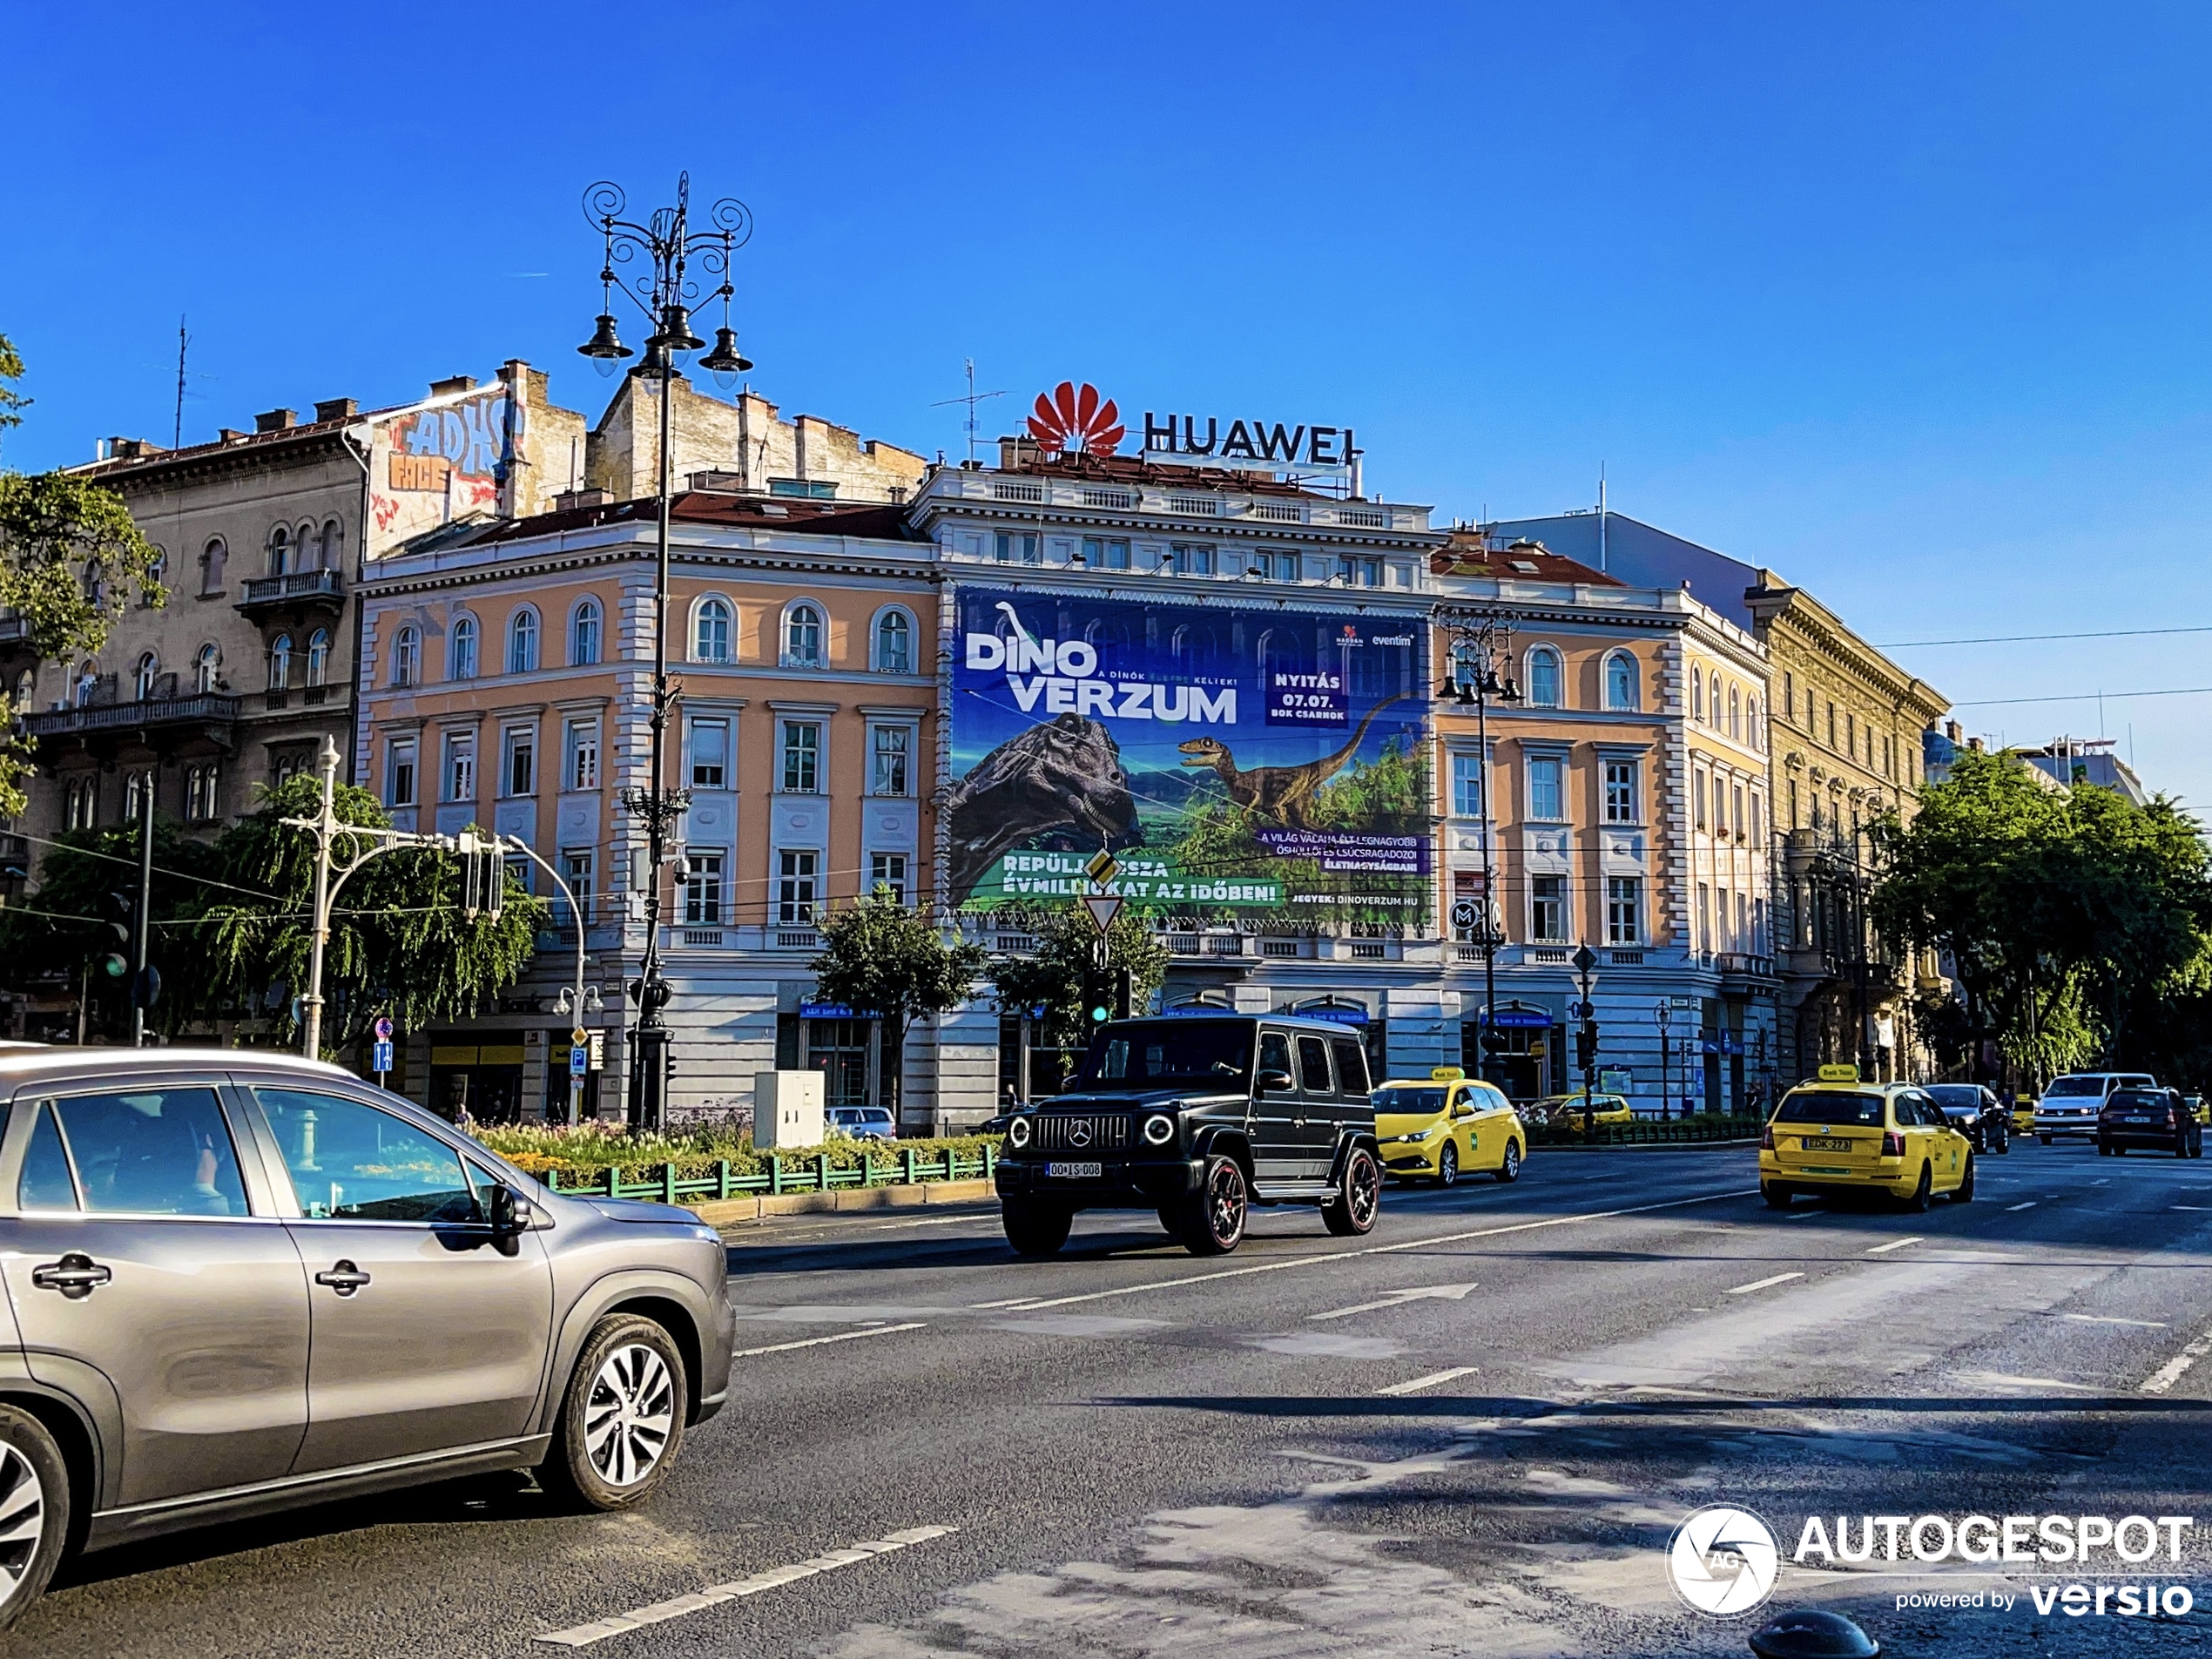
727, 1212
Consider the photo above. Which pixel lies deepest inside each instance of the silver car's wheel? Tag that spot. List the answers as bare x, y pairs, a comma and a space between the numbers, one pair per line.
622, 1417
34, 1511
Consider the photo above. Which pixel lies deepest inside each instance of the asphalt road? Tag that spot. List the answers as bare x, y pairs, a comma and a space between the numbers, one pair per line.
1473, 1432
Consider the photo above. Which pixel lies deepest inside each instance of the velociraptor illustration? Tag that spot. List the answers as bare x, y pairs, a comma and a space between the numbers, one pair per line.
1284, 794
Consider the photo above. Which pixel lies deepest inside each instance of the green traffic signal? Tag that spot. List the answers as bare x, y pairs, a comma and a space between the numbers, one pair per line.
114, 966
1098, 1015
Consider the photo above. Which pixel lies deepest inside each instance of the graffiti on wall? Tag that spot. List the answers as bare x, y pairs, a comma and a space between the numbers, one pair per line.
435, 464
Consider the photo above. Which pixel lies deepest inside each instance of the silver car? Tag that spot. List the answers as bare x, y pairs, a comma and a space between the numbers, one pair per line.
237, 1282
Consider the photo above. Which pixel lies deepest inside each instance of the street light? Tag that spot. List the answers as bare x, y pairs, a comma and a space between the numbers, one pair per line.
666, 246
1481, 640
1665, 1016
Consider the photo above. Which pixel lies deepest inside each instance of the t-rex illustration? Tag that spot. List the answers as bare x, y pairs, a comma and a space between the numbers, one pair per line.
1282, 793
1062, 773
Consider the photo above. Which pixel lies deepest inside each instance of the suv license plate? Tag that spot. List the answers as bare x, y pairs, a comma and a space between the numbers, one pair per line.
1075, 1171
1823, 1144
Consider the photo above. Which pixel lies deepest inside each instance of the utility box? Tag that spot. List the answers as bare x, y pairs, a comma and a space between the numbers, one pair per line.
786, 1110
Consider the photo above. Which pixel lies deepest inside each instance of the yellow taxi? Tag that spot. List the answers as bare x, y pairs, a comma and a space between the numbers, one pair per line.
1435, 1130
2023, 1113
1565, 1111
1840, 1135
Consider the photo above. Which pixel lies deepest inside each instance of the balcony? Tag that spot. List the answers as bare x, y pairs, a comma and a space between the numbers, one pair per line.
14, 630
300, 590
208, 709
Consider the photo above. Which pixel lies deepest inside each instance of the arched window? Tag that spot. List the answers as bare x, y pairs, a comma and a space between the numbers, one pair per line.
143, 676
406, 656
521, 642
334, 543
894, 635
460, 650
583, 634
319, 657
1543, 678
307, 543
802, 637
211, 558
88, 680
158, 575
206, 669
710, 631
26, 689
280, 551
279, 662
1696, 693
1620, 687
1734, 724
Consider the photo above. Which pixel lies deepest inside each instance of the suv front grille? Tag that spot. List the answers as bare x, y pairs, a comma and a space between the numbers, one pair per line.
1071, 1133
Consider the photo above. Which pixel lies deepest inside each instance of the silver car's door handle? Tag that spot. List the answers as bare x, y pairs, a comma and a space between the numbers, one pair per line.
344, 1277
76, 1276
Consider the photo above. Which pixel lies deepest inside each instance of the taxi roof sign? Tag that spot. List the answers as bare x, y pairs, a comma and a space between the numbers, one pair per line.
1446, 1074
1839, 1074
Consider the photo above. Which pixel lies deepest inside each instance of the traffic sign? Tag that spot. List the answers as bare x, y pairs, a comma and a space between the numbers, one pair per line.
578, 1036
383, 1027
1463, 913
1104, 907
579, 1060
380, 1056
1103, 866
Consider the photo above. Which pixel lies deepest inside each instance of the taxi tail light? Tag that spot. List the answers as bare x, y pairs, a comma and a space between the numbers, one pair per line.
1893, 1144
1766, 1138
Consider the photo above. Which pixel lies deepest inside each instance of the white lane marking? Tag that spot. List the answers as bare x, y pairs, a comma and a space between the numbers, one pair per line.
2005, 1380
583, 1636
2105, 1181
2108, 1318
816, 1342
1398, 1298
2010, 1208
1010, 1302
1324, 1258
1414, 1385
1761, 1284
2199, 1208
2174, 1369
1896, 1244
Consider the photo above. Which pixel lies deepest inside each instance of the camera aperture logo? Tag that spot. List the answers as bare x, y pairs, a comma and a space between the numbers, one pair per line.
1723, 1561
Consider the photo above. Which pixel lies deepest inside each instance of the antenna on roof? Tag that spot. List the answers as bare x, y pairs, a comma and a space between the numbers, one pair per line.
1601, 518
177, 435
972, 399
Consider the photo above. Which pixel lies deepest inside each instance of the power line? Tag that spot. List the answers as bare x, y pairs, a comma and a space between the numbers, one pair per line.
2018, 639
2079, 696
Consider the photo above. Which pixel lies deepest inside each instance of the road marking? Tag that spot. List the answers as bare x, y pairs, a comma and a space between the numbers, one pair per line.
1762, 1284
1398, 1298
1896, 1244
2005, 1380
583, 1636
1415, 1385
1010, 1302
2174, 1369
2107, 1319
1324, 1258
2104, 1181
2010, 1208
2198, 1208
816, 1342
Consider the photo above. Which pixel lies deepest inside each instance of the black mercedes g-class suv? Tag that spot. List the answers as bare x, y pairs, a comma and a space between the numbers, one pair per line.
1197, 1117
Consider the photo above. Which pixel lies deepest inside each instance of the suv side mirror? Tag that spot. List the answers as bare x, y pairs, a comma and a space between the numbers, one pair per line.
512, 1215
1271, 1080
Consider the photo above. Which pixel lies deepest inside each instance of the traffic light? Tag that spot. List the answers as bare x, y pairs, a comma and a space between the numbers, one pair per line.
1586, 1045
1124, 992
483, 875
115, 965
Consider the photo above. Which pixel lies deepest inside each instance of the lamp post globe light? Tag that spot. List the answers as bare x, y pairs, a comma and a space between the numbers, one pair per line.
656, 258
1480, 642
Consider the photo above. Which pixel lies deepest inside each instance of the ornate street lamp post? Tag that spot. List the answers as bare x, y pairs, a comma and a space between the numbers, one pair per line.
662, 248
1480, 642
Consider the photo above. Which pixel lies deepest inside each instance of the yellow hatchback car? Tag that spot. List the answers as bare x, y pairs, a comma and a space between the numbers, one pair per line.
1450, 1124
1841, 1136
1565, 1111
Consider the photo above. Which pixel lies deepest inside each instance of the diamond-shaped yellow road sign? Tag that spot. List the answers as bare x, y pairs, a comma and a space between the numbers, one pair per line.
1103, 866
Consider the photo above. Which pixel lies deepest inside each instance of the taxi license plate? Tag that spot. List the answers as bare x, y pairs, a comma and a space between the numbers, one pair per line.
1824, 1143
1075, 1171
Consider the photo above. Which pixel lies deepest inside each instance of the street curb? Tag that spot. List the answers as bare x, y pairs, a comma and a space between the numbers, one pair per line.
721, 1212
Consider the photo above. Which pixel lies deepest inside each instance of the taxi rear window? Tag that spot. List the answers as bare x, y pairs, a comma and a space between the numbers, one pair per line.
1819, 1106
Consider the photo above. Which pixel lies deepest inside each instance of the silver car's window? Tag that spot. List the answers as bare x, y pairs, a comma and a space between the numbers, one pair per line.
45, 1182
152, 1151
353, 1162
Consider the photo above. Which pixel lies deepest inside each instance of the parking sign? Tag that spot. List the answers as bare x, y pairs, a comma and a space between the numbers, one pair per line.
579, 1060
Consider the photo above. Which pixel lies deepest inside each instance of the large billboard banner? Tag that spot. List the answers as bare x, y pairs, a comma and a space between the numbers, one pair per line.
1235, 759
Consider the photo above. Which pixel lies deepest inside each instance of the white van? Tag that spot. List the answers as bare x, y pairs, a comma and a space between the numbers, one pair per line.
2070, 1105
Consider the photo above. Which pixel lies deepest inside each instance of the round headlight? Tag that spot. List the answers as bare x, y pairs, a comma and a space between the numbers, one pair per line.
1017, 1133
1159, 1130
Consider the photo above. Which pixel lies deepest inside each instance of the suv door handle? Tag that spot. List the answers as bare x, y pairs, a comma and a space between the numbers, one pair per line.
76, 1276
344, 1277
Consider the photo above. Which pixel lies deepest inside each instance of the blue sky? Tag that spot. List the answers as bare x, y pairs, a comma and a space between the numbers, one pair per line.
1905, 301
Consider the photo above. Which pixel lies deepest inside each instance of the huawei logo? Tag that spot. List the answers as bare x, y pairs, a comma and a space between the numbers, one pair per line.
1079, 1133
1071, 417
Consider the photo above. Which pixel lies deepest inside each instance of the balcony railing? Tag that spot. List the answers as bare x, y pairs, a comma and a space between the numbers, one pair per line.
295, 587
131, 716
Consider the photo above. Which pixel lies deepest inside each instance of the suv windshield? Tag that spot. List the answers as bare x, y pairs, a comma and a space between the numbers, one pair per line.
2075, 1086
1409, 1101
1817, 1106
1158, 1054
1956, 1094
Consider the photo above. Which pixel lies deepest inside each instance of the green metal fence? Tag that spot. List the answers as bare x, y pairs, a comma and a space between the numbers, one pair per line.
1649, 1131
817, 1174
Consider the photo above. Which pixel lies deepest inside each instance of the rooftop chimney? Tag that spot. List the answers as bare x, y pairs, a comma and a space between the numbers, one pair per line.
1952, 730
274, 419
229, 433
452, 383
568, 500
128, 449
336, 409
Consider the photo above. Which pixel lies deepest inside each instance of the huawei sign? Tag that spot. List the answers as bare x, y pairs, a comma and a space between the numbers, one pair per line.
1071, 417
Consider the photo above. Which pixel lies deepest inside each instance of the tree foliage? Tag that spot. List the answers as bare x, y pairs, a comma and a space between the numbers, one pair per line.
2069, 915
1052, 977
878, 956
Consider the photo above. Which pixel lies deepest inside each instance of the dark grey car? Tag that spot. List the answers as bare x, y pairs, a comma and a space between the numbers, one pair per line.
237, 1282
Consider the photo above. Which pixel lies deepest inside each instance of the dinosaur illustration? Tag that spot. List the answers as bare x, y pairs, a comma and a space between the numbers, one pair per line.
1282, 793
1063, 774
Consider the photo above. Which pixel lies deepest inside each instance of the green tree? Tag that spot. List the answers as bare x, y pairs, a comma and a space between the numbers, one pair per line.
398, 942
1052, 977
879, 957
71, 561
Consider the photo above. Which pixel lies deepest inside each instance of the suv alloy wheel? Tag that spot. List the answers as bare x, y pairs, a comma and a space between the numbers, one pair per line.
34, 1511
1358, 1196
1212, 1219
622, 1417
